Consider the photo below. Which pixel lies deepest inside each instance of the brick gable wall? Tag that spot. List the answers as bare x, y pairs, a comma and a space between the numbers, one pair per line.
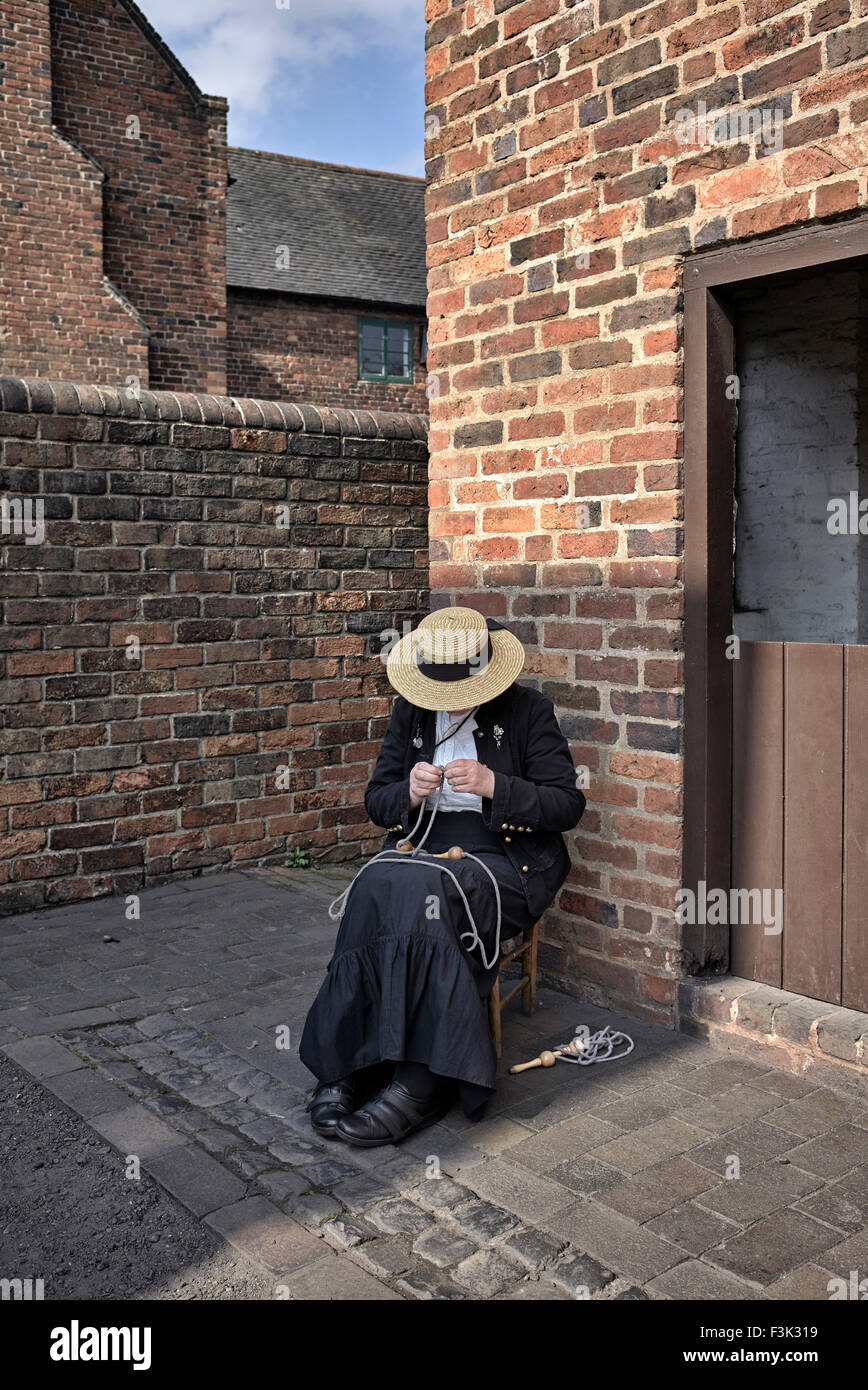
175, 641
292, 347
562, 200
60, 313
114, 228
164, 243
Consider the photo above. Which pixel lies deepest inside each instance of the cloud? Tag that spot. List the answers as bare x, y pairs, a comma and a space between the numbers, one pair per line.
253, 53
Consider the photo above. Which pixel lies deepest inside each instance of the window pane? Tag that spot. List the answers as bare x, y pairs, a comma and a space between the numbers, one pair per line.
373, 349
398, 350
372, 363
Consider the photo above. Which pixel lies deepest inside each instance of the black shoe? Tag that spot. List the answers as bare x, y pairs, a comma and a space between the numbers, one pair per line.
330, 1104
392, 1115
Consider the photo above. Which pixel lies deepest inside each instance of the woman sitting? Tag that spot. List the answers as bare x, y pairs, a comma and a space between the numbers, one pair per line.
473, 761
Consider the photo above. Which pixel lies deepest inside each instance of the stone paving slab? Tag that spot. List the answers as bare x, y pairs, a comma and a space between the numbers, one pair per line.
615, 1241
43, 1057
692, 1227
85, 1092
692, 1279
683, 1172
655, 1189
807, 1283
771, 1247
195, 1179
264, 1233
336, 1278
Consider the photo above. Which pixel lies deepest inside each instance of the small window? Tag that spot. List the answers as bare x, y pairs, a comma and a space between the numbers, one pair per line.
385, 350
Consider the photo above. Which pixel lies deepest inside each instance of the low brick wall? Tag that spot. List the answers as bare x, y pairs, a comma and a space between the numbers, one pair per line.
821, 1041
190, 656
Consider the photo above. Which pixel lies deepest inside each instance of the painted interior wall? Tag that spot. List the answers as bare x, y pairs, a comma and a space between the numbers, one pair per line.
801, 418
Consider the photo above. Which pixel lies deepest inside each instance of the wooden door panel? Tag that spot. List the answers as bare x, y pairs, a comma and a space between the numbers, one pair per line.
813, 818
757, 800
800, 815
854, 968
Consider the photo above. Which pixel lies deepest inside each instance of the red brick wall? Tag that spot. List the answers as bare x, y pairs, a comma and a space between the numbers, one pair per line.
560, 207
60, 314
164, 240
291, 347
259, 634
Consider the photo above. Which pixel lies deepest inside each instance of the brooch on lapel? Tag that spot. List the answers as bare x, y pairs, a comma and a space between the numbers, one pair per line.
417, 741
498, 734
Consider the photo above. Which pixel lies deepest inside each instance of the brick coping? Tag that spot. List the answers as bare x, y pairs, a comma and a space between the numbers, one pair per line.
790, 1031
44, 396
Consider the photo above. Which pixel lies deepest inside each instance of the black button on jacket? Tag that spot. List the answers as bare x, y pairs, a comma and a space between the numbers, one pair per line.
535, 793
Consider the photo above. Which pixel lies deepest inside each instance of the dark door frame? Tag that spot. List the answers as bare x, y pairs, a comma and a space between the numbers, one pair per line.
709, 465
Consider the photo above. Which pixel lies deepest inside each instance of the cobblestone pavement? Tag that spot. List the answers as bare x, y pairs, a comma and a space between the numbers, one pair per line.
608, 1182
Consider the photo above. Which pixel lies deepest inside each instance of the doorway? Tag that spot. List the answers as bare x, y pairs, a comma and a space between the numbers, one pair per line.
776, 618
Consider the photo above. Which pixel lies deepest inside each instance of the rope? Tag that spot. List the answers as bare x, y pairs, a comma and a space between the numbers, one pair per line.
598, 1047
393, 856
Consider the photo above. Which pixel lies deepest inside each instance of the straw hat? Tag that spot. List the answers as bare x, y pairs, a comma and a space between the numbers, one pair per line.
455, 659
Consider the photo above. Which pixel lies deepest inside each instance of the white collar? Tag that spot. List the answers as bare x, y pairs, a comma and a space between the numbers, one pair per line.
444, 719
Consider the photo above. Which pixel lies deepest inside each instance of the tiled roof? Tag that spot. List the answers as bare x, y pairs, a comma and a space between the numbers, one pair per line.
351, 233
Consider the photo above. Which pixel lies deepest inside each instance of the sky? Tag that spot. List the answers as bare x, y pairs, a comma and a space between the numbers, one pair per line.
336, 80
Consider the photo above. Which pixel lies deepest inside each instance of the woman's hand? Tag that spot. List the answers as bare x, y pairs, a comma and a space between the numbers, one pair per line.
424, 779
467, 775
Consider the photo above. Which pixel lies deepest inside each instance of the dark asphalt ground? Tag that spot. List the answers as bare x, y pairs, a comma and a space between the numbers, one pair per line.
70, 1216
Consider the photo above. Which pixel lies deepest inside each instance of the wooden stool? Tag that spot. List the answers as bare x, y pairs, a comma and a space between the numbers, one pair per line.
527, 951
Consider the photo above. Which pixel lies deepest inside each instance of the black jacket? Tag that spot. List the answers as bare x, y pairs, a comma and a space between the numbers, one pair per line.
535, 792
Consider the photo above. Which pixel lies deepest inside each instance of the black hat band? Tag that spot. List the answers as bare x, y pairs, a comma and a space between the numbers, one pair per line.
455, 670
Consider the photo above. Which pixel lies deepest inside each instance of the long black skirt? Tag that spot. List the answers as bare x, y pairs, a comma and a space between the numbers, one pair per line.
402, 985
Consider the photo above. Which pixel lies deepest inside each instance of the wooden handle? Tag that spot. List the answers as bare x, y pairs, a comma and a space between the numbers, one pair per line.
545, 1059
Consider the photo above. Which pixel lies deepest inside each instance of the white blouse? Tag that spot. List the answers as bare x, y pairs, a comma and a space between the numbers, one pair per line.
460, 745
